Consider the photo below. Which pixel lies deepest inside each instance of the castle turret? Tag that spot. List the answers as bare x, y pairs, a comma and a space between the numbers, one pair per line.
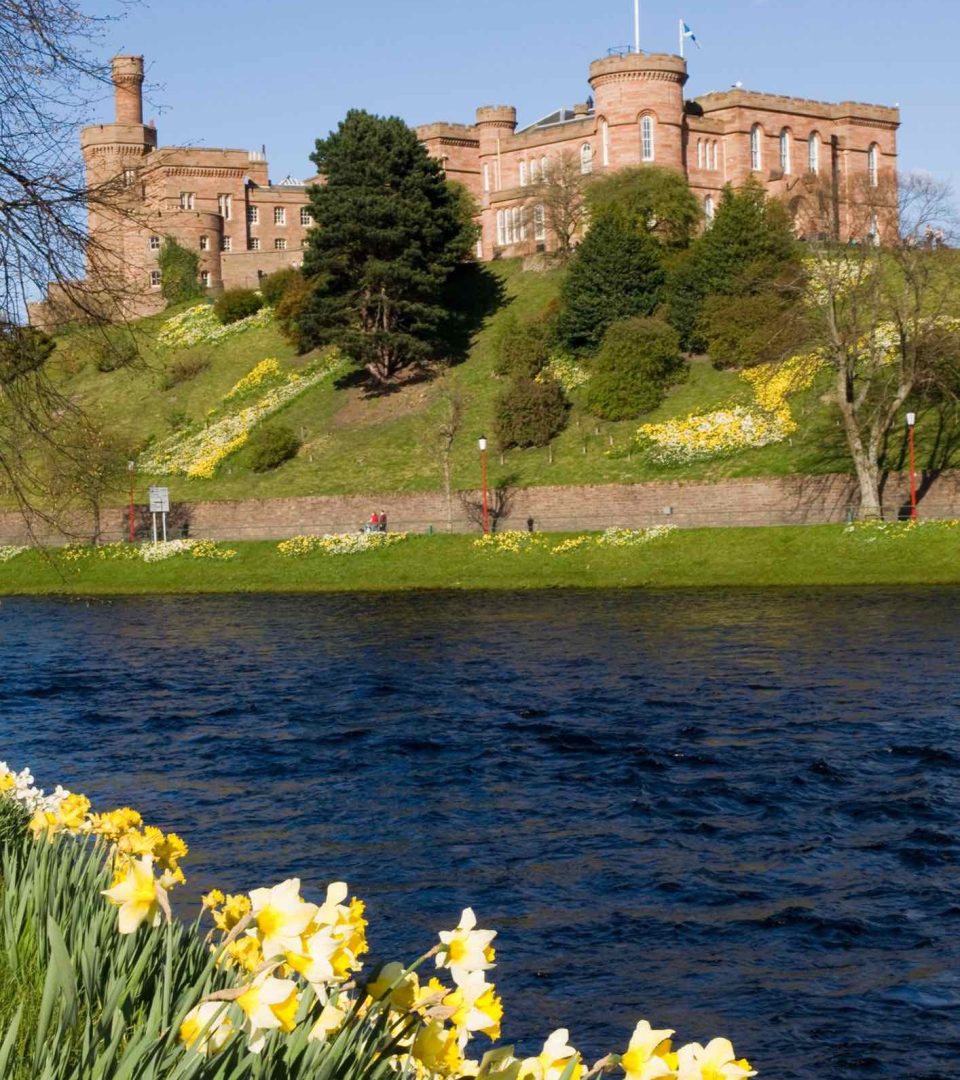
635, 86
496, 124
127, 74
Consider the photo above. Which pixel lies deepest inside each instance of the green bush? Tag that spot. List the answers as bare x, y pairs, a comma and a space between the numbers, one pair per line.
112, 354
236, 304
179, 272
637, 361
523, 348
184, 368
529, 413
271, 446
291, 306
274, 285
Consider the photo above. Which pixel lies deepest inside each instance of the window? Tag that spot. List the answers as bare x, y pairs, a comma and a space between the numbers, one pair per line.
534, 171
154, 279
756, 159
785, 152
646, 139
129, 177
539, 223
486, 177
519, 224
205, 278
224, 206
712, 154
280, 244
253, 215
543, 167
501, 230
254, 243
226, 244
708, 209
874, 233
606, 143
700, 153
586, 158
204, 243
154, 243
479, 248
186, 200
523, 174
813, 153
873, 165
305, 218
279, 215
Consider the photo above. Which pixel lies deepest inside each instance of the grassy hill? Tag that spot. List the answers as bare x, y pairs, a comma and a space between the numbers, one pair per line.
354, 443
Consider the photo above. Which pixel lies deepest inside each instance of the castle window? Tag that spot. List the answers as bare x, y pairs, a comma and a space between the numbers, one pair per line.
224, 206
479, 248
154, 279
205, 278
154, 243
712, 150
187, 200
708, 209
873, 165
534, 172
700, 153
586, 158
756, 159
646, 139
253, 215
280, 244
873, 235
519, 224
785, 152
523, 174
539, 223
226, 244
813, 153
204, 243
254, 243
501, 230
279, 215
543, 167
129, 177
606, 143
305, 218
486, 177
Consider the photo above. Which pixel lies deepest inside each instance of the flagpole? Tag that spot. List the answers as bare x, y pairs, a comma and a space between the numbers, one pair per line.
636, 25
681, 39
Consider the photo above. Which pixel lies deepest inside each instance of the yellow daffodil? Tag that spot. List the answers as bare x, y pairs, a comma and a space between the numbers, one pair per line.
328, 1023
169, 850
281, 917
112, 825
44, 823
268, 1004
212, 900
314, 957
245, 952
644, 1058
715, 1061
73, 812
233, 909
396, 986
436, 1049
137, 894
206, 1028
476, 1007
553, 1059
465, 948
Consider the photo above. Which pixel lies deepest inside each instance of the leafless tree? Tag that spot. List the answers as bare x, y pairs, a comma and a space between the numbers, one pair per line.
444, 433
560, 191
499, 503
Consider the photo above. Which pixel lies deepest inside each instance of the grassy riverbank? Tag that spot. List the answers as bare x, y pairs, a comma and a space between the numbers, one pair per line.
699, 558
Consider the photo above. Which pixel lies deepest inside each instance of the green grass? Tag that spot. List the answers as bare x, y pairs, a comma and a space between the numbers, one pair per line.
789, 556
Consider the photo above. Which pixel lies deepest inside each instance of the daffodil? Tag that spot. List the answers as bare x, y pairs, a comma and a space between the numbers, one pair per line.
206, 1028
281, 917
465, 948
553, 1060
314, 956
644, 1058
396, 986
476, 1007
268, 1004
436, 1049
328, 1023
73, 812
137, 894
715, 1061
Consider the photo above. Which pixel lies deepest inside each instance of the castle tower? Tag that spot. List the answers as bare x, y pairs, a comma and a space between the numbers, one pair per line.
495, 123
127, 73
639, 97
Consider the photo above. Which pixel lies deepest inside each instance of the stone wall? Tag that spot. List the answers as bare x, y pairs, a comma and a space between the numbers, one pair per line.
755, 501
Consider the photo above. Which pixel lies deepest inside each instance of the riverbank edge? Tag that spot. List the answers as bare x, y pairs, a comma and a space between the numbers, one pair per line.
775, 557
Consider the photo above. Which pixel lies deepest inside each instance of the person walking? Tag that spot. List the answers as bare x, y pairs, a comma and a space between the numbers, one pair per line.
382, 521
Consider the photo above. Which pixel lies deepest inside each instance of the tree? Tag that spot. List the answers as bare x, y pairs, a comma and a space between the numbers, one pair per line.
651, 199
560, 191
638, 360
443, 433
529, 412
389, 231
179, 272
615, 274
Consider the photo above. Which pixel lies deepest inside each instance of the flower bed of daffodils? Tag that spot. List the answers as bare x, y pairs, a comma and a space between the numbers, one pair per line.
515, 542
197, 454
199, 325
872, 531
275, 989
338, 544
120, 551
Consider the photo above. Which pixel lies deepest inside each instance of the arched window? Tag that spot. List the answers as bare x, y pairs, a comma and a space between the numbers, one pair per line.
874, 234
501, 230
756, 157
700, 153
873, 165
646, 139
519, 224
708, 209
486, 177
813, 153
543, 167
539, 223
606, 143
586, 158
715, 165
534, 171
785, 152
523, 174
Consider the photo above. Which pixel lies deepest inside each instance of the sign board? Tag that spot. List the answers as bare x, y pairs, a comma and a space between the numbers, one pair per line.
159, 500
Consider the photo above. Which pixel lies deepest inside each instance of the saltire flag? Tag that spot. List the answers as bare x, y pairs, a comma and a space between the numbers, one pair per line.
688, 33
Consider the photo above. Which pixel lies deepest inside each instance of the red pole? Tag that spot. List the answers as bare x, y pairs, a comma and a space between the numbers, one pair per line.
133, 527
913, 479
483, 484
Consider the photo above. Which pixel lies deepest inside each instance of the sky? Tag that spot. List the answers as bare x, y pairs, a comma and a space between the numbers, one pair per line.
245, 73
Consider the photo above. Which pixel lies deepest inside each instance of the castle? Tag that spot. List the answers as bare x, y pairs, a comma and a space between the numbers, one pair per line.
222, 204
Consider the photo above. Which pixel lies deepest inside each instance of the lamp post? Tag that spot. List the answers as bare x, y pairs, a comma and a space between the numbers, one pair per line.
483, 484
911, 423
132, 470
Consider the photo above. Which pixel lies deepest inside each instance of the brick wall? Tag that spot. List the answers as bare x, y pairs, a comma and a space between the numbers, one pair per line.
756, 501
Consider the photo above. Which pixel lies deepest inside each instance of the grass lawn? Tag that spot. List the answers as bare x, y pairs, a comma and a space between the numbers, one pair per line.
688, 558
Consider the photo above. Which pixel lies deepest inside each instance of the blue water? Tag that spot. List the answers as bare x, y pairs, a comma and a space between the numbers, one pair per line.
733, 812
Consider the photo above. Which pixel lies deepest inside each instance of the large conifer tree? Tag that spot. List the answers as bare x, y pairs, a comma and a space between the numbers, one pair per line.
389, 230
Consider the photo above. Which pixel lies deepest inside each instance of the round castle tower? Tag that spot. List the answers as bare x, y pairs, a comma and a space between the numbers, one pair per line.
108, 149
628, 88
493, 123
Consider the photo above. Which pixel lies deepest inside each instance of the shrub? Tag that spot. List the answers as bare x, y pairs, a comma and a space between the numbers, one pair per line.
529, 413
179, 272
274, 285
638, 360
184, 368
112, 354
236, 304
271, 446
523, 348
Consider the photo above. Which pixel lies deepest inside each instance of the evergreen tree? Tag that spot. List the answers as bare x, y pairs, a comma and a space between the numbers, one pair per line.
615, 274
389, 230
651, 199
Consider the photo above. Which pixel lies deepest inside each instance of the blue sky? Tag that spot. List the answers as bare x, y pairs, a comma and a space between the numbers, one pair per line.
244, 73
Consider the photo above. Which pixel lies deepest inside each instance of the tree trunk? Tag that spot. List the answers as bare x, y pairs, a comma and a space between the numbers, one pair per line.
447, 490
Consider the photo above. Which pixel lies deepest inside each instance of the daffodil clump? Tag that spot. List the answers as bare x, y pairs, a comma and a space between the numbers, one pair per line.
338, 544
510, 542
516, 542
120, 551
199, 325
564, 369
872, 531
773, 384
10, 551
284, 980
198, 455
267, 371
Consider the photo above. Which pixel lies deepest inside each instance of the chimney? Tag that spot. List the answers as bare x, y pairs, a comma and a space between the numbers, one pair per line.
127, 74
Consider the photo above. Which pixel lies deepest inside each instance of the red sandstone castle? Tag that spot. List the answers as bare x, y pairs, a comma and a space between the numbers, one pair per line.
222, 204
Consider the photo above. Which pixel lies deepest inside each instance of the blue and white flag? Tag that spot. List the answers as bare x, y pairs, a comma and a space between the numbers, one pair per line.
686, 32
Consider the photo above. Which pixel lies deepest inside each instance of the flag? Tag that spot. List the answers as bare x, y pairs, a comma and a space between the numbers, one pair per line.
688, 33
